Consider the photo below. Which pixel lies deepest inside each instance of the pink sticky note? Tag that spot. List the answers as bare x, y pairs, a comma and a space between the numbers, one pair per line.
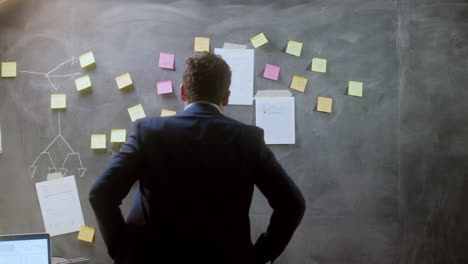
271, 72
164, 87
166, 60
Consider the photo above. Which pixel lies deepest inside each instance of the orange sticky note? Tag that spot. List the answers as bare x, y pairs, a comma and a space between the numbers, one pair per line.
299, 83
165, 112
324, 104
86, 234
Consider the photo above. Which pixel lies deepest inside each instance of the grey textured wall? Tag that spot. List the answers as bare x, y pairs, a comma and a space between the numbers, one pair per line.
434, 131
383, 175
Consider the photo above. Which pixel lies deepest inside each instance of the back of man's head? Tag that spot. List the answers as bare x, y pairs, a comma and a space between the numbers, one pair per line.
207, 77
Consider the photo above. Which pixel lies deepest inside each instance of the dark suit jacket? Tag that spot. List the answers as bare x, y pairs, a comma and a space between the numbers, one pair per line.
196, 173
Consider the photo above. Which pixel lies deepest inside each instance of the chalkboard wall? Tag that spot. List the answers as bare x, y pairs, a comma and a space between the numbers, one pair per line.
383, 175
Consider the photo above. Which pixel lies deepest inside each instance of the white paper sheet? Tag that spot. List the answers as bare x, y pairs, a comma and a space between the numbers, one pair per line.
276, 117
60, 206
241, 62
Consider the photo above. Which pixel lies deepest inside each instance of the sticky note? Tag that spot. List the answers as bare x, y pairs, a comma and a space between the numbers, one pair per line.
228, 45
164, 87
259, 40
294, 48
86, 233
98, 141
165, 112
324, 104
58, 101
87, 60
202, 44
54, 176
271, 72
83, 83
319, 65
124, 81
118, 135
136, 112
355, 88
166, 60
8, 69
298, 83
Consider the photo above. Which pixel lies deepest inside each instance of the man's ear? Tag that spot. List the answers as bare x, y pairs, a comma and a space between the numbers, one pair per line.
226, 99
182, 93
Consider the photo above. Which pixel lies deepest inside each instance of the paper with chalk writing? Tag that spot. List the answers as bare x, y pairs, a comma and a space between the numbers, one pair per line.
60, 206
241, 62
276, 116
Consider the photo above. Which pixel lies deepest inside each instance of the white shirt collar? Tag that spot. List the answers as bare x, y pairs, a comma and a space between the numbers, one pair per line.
204, 102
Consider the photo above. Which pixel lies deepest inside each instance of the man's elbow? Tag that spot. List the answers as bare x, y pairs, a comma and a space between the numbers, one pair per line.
94, 197
300, 207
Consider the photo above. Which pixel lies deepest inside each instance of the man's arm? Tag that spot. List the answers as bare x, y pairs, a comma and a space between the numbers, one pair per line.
111, 188
286, 200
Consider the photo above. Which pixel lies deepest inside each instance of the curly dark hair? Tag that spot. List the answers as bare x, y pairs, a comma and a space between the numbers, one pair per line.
207, 77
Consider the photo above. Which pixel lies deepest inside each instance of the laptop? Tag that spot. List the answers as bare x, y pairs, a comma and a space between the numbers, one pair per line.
25, 249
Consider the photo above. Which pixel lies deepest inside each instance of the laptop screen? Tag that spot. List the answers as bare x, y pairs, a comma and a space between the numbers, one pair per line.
25, 249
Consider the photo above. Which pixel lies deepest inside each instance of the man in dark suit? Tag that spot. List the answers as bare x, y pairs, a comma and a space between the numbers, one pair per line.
196, 171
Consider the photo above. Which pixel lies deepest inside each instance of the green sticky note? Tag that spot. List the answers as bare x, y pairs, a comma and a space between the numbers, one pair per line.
294, 48
83, 83
124, 81
118, 135
259, 40
319, 65
58, 101
8, 69
98, 141
87, 60
355, 88
136, 112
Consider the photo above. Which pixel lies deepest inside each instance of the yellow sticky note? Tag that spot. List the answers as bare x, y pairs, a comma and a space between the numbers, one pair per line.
165, 112
8, 69
87, 60
124, 81
298, 83
319, 65
83, 83
58, 101
136, 112
118, 135
294, 48
324, 104
355, 88
86, 233
259, 40
202, 44
98, 141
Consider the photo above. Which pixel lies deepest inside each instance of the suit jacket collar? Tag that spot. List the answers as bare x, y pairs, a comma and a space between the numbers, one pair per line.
202, 108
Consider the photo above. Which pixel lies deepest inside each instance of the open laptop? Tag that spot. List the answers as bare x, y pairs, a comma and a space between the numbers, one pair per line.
25, 249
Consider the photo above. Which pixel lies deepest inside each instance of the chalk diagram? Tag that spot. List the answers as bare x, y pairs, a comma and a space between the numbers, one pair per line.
49, 75
71, 153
